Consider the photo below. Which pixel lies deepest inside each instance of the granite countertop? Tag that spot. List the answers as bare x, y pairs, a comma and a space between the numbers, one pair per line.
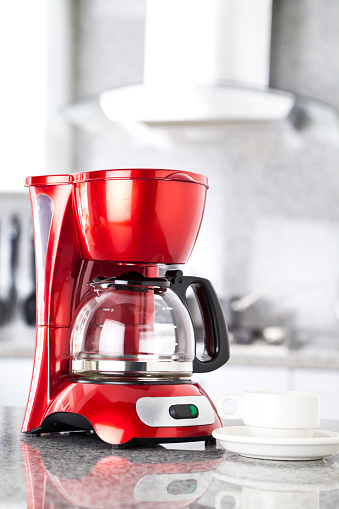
79, 470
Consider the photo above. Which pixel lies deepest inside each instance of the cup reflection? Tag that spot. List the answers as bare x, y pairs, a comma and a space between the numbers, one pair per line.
274, 484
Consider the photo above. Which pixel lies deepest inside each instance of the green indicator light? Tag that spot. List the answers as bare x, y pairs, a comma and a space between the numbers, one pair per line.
192, 486
193, 410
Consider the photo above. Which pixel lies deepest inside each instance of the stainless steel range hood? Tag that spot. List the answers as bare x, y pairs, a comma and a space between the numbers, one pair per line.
205, 61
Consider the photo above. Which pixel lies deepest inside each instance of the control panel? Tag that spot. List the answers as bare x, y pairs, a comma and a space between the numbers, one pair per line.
175, 411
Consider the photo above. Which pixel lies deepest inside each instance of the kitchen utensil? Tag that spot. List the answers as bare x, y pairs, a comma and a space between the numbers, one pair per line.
290, 414
13, 233
239, 332
115, 346
250, 317
3, 307
29, 305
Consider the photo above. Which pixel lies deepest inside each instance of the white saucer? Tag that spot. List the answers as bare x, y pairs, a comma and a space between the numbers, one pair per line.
238, 439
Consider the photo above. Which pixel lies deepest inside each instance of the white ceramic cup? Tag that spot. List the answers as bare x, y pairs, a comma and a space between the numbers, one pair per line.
281, 414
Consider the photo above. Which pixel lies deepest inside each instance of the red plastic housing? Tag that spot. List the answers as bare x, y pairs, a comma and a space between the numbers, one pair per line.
138, 216
94, 224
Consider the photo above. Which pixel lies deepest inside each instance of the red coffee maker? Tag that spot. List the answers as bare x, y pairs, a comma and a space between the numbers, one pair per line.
115, 344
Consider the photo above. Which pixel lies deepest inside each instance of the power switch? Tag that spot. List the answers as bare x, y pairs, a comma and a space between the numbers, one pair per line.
186, 411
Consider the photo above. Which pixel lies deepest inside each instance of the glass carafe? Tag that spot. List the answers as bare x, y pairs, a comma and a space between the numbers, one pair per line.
134, 328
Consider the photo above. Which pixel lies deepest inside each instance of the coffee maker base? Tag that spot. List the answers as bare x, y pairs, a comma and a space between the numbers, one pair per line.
130, 414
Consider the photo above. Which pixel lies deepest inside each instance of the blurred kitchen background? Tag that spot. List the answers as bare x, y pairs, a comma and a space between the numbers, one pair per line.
243, 91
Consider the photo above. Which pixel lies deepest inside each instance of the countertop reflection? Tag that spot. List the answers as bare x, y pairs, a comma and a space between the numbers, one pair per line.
79, 470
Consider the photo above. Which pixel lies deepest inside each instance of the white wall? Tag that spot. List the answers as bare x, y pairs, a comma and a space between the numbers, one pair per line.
15, 380
34, 55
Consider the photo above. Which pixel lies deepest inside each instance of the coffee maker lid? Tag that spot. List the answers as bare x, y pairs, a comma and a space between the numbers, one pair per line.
142, 174
48, 180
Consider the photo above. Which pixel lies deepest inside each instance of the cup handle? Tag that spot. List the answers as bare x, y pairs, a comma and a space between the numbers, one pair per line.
238, 412
228, 493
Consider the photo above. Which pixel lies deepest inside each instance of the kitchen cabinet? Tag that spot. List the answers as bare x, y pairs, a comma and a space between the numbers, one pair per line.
323, 382
15, 379
237, 379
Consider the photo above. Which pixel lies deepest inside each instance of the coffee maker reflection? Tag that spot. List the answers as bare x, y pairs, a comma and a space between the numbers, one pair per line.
135, 478
115, 344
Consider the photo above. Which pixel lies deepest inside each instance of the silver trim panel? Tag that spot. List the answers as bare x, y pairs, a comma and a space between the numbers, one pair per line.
131, 366
154, 411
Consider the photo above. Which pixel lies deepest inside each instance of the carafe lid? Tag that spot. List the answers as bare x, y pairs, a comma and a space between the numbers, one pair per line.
128, 279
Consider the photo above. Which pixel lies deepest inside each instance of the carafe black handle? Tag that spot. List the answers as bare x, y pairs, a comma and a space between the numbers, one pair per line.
216, 335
